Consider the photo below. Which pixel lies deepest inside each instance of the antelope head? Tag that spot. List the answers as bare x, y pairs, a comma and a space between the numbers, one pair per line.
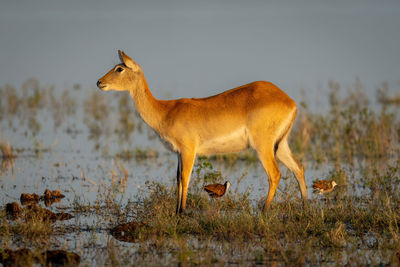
122, 77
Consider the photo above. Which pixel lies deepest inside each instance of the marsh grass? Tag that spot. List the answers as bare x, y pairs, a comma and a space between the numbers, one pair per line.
138, 154
352, 128
338, 228
7, 156
249, 156
356, 142
32, 228
341, 223
288, 233
6, 150
331, 224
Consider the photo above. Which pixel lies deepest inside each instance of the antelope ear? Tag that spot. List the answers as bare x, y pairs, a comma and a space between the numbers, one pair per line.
127, 61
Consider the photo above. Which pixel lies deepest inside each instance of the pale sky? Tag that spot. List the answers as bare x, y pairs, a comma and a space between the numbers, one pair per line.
198, 48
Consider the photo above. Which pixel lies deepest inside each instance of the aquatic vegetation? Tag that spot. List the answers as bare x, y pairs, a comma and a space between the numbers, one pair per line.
329, 228
249, 156
352, 129
29, 198
138, 154
96, 112
353, 125
7, 156
355, 141
49, 197
32, 212
337, 225
127, 232
6, 150
127, 117
25, 257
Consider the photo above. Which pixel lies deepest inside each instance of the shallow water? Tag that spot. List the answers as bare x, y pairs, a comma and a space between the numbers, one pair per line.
81, 161
68, 158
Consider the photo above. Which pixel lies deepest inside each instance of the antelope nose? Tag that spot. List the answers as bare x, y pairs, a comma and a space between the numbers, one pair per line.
98, 83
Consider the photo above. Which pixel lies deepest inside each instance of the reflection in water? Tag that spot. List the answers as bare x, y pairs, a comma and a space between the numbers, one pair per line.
49, 202
49, 197
6, 165
7, 157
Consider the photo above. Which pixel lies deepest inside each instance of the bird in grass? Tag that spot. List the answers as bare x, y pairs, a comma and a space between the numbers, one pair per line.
217, 190
324, 186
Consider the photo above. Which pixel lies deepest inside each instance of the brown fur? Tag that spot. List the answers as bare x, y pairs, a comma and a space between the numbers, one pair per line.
257, 114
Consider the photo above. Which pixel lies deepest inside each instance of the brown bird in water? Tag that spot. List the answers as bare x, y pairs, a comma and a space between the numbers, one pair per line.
324, 186
217, 190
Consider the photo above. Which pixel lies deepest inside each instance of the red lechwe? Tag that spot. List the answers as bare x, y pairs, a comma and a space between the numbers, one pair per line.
257, 115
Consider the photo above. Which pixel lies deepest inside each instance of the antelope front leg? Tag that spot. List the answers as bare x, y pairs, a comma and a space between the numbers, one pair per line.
179, 184
187, 158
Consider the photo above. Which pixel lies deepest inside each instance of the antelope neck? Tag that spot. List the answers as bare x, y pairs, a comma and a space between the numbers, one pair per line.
149, 108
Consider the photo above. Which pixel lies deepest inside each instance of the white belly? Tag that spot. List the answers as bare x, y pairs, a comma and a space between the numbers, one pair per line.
229, 143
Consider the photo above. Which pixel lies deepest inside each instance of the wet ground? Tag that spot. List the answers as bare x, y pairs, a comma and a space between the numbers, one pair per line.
96, 151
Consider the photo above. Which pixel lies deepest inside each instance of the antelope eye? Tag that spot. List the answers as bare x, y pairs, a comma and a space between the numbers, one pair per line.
119, 69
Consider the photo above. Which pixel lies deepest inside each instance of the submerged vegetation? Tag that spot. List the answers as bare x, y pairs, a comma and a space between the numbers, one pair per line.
351, 130
6, 150
355, 142
352, 127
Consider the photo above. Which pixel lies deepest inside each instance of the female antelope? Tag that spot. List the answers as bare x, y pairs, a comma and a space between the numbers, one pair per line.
258, 114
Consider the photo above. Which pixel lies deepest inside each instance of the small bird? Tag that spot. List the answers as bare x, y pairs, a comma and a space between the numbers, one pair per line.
217, 190
324, 186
